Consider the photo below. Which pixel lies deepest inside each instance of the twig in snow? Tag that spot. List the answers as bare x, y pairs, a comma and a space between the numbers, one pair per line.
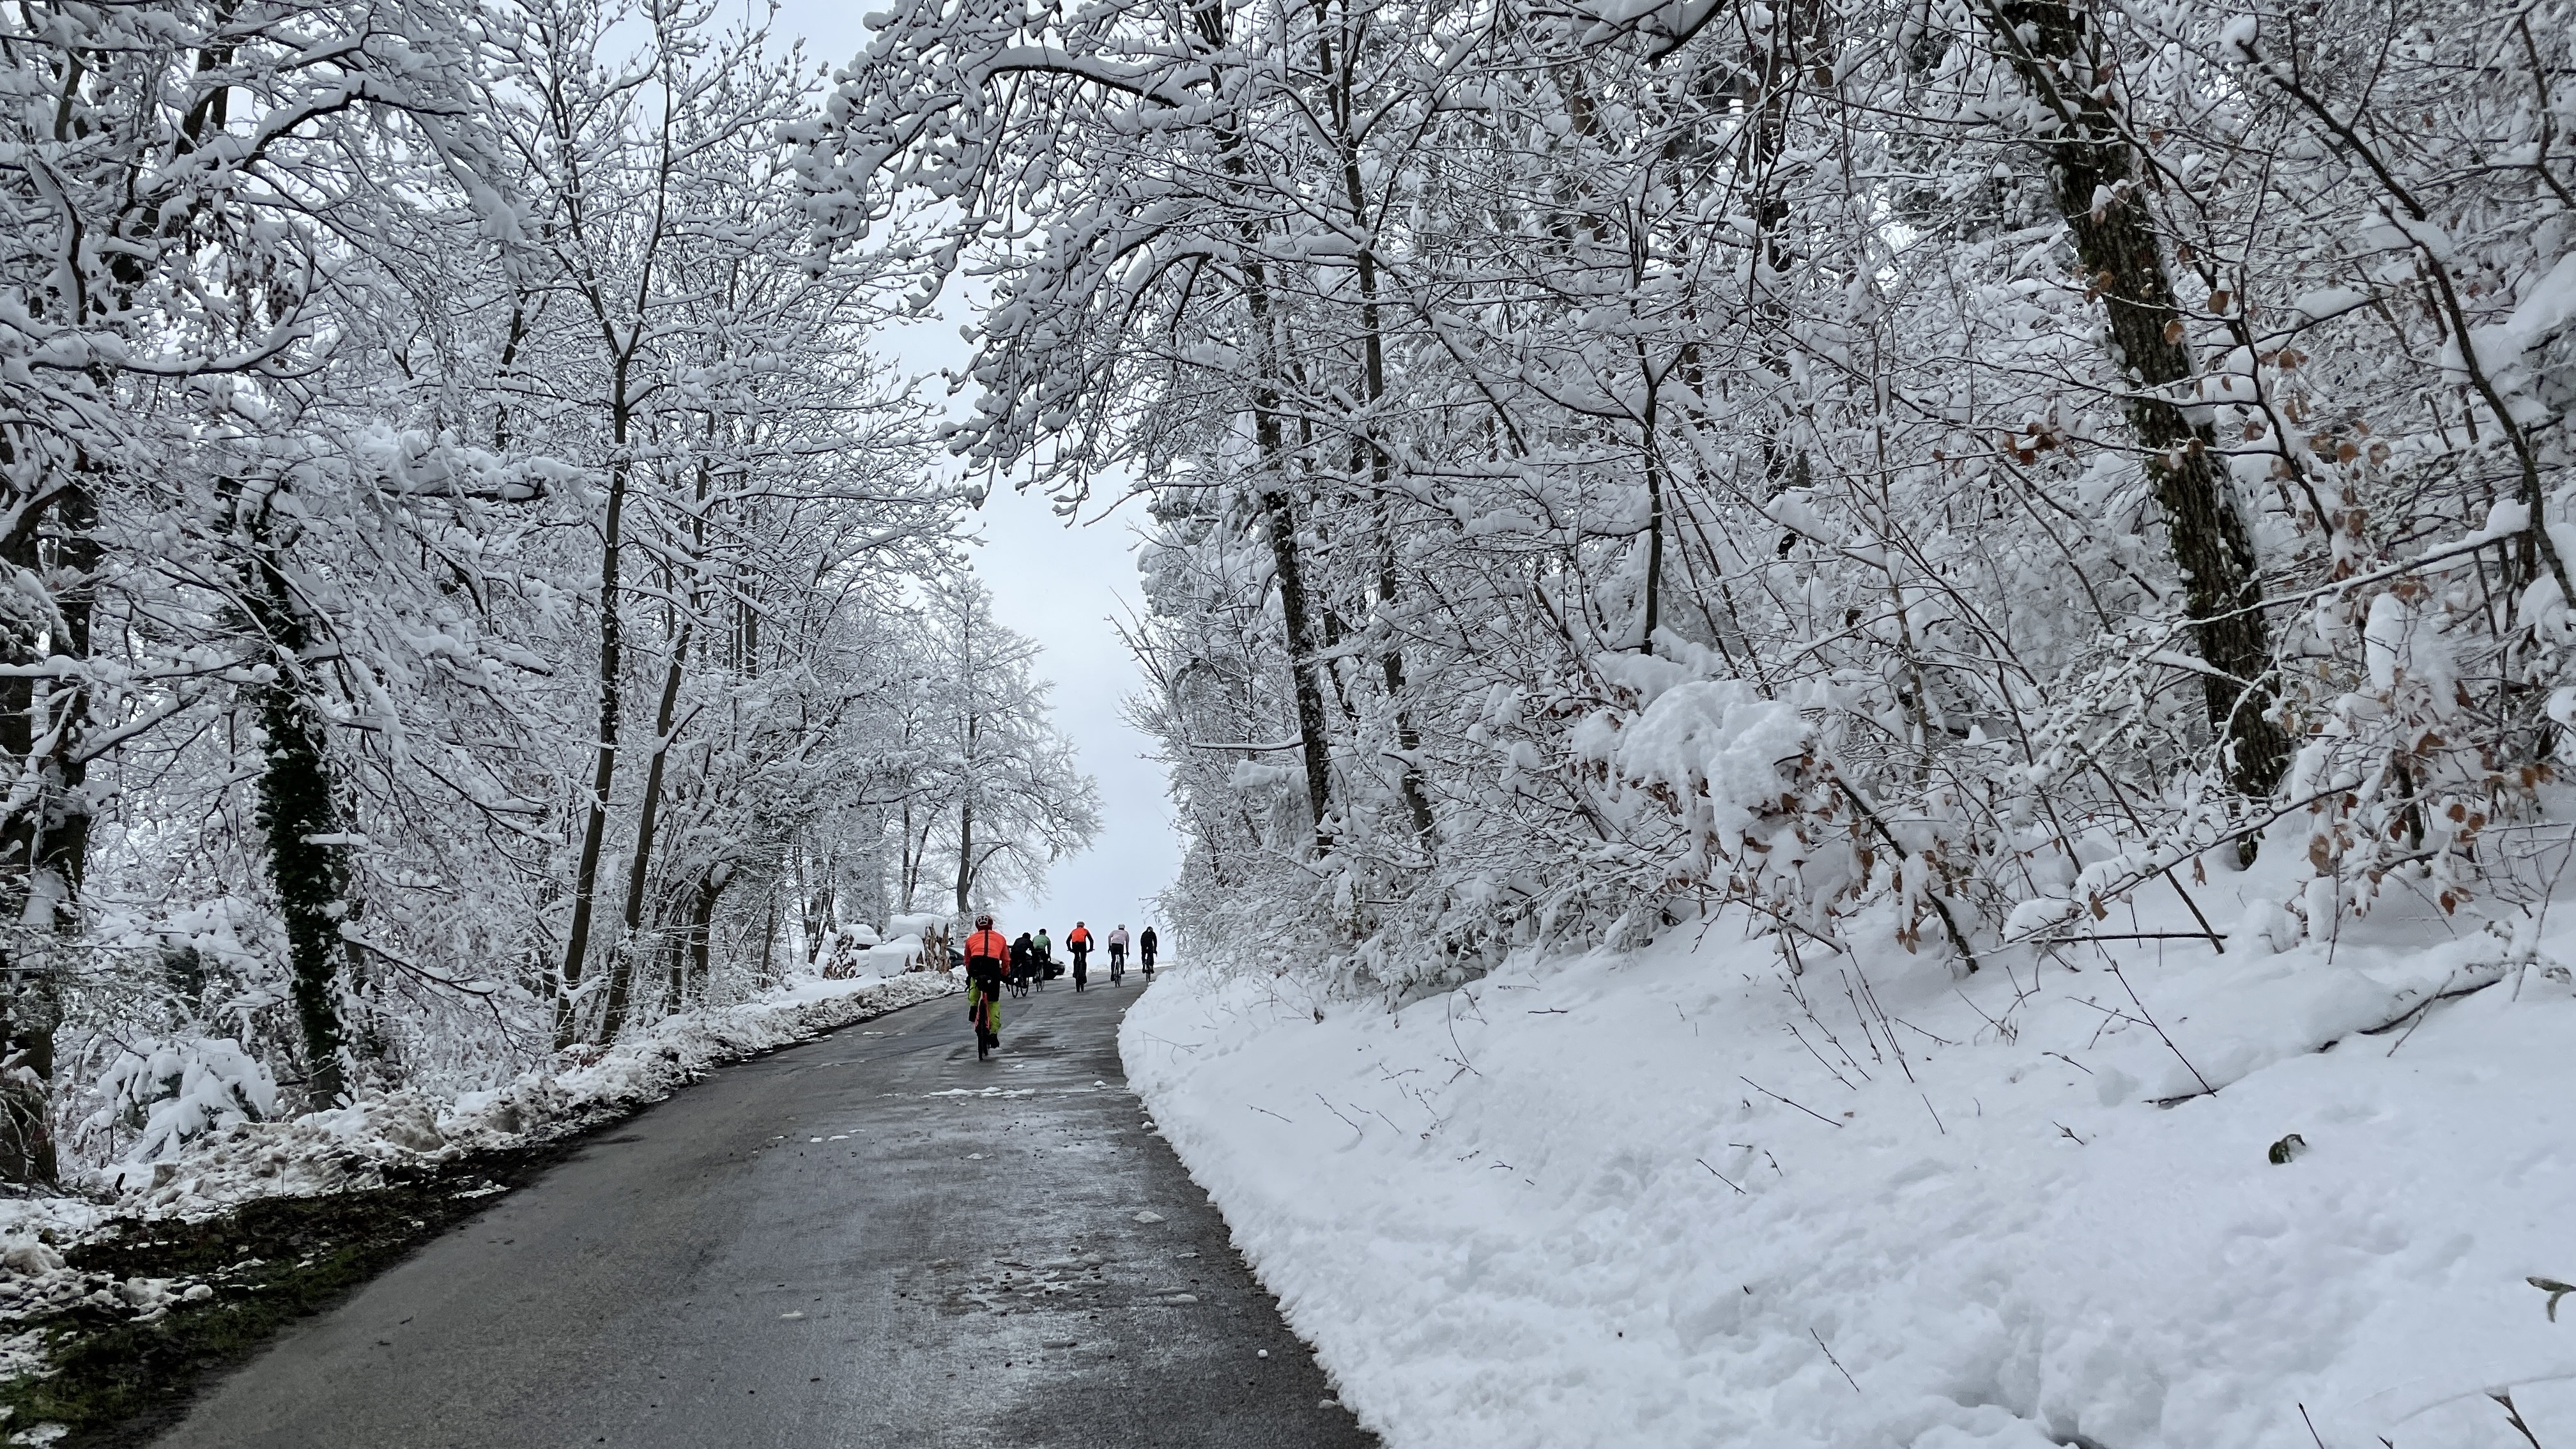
1837, 1363
1776, 1097
1936, 1116
1766, 1156
2424, 1011
1266, 1112
2006, 1033
2513, 1415
2070, 1061
1449, 1018
2210, 936
2312, 1427
1862, 1017
1792, 1028
1720, 1176
2160, 1031
2412, 1012
1869, 994
1547, 1011
2069, 1133
1336, 1111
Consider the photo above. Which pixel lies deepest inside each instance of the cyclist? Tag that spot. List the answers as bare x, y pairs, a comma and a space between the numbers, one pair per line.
1117, 954
1145, 945
1022, 968
988, 956
1042, 951
1078, 941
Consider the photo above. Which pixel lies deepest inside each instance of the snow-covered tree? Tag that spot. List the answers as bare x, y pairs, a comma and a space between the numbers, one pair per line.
1961, 462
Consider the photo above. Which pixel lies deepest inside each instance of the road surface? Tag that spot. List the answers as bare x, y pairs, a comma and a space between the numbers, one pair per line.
871, 1240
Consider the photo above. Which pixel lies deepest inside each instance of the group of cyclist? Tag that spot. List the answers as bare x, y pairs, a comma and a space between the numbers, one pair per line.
995, 963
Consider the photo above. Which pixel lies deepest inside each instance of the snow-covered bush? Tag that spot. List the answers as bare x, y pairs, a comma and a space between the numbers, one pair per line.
170, 1093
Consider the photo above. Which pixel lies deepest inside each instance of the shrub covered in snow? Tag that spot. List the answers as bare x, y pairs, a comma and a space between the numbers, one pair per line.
173, 1092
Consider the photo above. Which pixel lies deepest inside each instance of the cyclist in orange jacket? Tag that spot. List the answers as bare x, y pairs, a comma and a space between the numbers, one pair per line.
1078, 941
988, 964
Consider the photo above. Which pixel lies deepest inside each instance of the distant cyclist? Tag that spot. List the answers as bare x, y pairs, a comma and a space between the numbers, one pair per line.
1078, 941
1022, 966
1118, 954
1145, 945
988, 957
1042, 951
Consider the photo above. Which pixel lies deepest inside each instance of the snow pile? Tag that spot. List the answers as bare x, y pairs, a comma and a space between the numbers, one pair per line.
352, 1146
1678, 1197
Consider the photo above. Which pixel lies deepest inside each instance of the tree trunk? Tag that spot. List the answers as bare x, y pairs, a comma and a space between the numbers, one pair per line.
1302, 667
1207, 21
769, 938
604, 768
965, 853
299, 811
621, 980
692, 963
1408, 739
2092, 171
34, 1001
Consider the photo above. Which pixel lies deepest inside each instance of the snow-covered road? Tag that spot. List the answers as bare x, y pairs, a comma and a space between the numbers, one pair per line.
870, 1240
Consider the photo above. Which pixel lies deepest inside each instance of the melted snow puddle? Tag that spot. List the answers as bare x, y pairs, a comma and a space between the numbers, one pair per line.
986, 1092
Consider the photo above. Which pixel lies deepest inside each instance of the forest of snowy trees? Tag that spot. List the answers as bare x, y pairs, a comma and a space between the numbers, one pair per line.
1949, 466
471, 591
1941, 466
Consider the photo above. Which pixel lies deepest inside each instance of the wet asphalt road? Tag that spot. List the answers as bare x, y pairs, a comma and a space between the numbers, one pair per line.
957, 1262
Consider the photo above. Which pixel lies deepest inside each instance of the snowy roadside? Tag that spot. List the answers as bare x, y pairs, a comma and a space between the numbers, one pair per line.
401, 1136
1660, 1199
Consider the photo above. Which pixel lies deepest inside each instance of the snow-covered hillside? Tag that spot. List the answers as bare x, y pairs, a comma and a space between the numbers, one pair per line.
1676, 1198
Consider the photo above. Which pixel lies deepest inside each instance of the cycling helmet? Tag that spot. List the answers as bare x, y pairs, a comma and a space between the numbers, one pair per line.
984, 922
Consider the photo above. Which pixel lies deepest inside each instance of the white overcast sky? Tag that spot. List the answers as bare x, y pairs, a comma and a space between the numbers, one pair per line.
1059, 584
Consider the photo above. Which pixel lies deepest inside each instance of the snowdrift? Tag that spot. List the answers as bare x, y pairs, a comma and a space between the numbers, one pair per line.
1679, 1197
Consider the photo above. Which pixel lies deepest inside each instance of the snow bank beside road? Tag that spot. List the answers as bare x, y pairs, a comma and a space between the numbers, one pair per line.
327, 1151
1658, 1200
351, 1147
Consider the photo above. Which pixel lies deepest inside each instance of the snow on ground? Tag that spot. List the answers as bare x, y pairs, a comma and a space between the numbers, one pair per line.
352, 1147
1664, 1199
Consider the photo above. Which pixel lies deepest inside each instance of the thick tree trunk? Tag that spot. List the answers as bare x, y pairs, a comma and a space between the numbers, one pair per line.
2092, 172
44, 846
299, 812
34, 1007
1304, 672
